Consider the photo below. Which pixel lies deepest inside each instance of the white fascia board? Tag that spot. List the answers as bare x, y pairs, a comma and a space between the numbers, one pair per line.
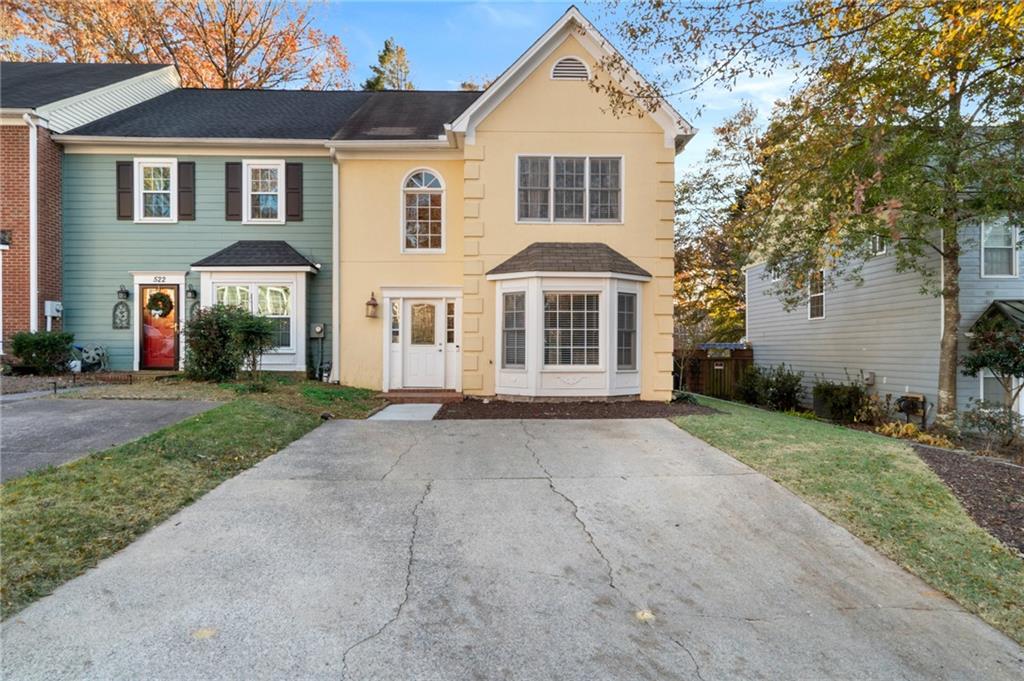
158, 141
677, 130
567, 275
257, 268
440, 142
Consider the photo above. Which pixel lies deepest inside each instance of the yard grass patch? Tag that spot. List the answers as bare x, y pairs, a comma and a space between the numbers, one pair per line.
58, 522
879, 490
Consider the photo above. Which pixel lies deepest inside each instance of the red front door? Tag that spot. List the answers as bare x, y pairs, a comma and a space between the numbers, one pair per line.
159, 339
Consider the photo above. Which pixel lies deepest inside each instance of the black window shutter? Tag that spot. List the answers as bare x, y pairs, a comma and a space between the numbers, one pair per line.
233, 191
187, 190
125, 198
293, 192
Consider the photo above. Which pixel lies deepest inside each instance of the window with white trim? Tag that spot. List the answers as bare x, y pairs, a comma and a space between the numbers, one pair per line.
263, 195
626, 334
156, 190
513, 330
423, 221
998, 250
878, 245
576, 189
449, 322
816, 296
273, 301
993, 390
396, 316
572, 334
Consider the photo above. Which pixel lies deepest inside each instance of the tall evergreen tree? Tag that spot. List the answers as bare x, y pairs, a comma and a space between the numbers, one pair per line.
391, 72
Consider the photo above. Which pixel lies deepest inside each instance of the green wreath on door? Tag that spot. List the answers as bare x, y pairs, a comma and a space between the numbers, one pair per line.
160, 304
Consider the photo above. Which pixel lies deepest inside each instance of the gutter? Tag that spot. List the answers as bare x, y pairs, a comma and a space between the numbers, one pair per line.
223, 141
335, 271
441, 142
33, 222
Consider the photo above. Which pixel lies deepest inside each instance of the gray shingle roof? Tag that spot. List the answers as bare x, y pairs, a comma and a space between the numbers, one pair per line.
286, 114
256, 254
29, 85
1011, 310
569, 257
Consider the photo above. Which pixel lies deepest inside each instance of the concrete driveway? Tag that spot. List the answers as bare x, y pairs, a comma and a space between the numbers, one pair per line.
48, 432
501, 550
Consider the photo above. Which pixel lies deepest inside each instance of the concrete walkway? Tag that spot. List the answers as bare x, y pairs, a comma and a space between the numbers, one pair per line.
500, 550
407, 412
43, 432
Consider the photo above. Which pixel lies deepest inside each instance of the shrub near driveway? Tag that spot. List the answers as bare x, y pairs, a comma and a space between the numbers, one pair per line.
883, 493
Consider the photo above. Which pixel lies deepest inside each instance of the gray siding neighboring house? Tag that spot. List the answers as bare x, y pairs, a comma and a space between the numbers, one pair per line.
886, 325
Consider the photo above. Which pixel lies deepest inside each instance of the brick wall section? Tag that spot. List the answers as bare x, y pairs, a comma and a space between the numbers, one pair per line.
14, 218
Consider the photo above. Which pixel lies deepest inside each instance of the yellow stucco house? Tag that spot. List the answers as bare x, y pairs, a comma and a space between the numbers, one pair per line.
526, 251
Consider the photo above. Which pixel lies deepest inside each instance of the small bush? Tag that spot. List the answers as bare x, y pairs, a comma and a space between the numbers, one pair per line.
253, 336
995, 423
683, 397
910, 431
875, 410
776, 387
43, 352
839, 402
210, 353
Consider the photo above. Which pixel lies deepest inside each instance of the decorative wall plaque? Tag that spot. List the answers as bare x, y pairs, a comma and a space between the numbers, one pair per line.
122, 315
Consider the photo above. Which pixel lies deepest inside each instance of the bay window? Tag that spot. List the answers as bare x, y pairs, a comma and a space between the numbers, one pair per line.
626, 334
577, 189
273, 301
513, 330
571, 329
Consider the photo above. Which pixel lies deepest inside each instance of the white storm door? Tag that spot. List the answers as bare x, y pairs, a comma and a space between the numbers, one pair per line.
423, 349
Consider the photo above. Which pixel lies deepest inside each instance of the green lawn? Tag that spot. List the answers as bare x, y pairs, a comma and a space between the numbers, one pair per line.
58, 522
879, 490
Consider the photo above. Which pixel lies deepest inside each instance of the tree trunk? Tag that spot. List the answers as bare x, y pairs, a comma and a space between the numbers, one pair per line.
948, 346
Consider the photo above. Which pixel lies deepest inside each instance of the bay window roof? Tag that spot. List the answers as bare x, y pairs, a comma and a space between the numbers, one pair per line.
569, 257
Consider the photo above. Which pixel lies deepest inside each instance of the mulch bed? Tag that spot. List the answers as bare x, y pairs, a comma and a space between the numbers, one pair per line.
502, 409
990, 490
10, 385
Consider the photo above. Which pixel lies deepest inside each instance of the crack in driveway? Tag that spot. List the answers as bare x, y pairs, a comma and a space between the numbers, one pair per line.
597, 549
405, 592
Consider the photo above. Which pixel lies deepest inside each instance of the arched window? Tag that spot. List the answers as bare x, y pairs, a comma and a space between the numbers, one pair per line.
423, 222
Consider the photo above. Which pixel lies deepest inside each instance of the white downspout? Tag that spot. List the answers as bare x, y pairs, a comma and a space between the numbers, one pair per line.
33, 223
335, 271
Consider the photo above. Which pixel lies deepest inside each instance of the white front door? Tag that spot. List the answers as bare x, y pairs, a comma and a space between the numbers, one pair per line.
424, 344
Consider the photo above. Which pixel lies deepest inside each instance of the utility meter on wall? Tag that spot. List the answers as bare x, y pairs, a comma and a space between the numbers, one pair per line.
316, 330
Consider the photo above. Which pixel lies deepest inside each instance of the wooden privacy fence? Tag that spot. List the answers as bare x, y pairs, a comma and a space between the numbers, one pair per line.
714, 369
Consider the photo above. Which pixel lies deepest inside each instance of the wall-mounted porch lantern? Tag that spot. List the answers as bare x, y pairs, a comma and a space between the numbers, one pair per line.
191, 293
122, 293
371, 306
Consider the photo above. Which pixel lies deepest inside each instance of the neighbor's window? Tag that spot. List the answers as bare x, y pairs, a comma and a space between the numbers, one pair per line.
156, 190
273, 301
395, 317
264, 191
816, 301
424, 220
569, 189
626, 346
878, 244
998, 250
992, 390
513, 331
571, 329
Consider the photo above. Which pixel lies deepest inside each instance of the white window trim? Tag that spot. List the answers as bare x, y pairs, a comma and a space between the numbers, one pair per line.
879, 245
171, 163
586, 190
985, 373
501, 326
636, 332
1014, 255
602, 325
253, 285
810, 296
247, 166
401, 214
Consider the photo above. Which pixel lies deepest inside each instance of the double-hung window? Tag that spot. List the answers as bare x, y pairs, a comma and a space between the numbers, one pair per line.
156, 190
513, 330
575, 189
998, 250
626, 335
878, 245
263, 192
273, 301
571, 329
816, 297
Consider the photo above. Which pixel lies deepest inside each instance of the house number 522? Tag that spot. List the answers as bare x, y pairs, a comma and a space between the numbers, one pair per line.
159, 280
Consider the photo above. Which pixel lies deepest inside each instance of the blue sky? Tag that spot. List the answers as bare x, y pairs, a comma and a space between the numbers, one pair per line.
448, 42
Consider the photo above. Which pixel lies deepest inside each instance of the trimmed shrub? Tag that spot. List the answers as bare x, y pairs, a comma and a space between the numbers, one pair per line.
750, 385
210, 351
253, 336
994, 422
839, 402
43, 352
775, 387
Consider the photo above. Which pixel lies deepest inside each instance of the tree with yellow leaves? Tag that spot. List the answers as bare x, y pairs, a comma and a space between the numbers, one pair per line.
213, 43
905, 123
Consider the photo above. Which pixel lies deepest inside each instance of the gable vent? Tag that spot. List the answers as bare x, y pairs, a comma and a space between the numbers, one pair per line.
570, 68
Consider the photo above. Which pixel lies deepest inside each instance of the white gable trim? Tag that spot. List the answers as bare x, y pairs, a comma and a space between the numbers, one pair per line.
677, 130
